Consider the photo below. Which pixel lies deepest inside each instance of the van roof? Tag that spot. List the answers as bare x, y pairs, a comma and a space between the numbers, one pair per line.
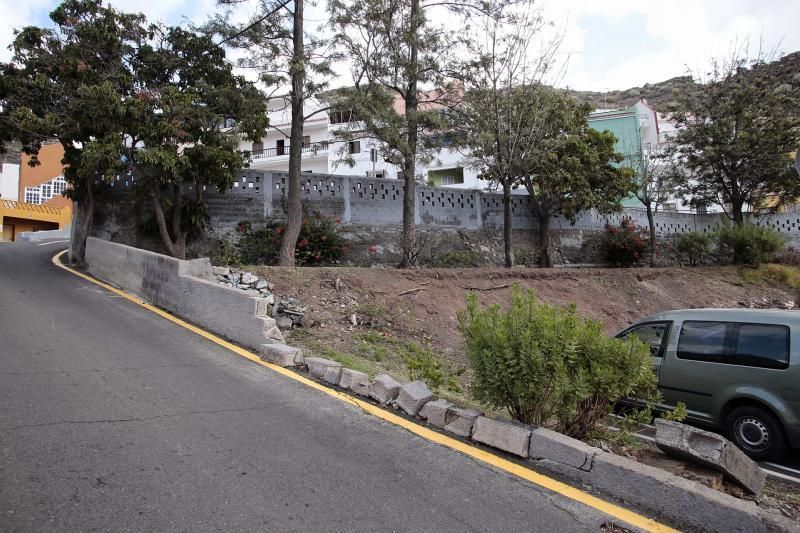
737, 315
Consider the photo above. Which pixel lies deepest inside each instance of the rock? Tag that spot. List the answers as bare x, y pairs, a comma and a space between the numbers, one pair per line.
355, 381
384, 389
354, 319
248, 278
436, 412
270, 287
413, 396
270, 299
710, 450
293, 301
281, 354
502, 435
333, 374
317, 366
261, 284
460, 421
243, 286
284, 322
220, 271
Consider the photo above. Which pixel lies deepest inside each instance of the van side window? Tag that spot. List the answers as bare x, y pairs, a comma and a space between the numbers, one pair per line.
703, 341
653, 334
762, 345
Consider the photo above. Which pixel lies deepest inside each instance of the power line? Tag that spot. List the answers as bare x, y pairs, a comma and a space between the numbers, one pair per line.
256, 23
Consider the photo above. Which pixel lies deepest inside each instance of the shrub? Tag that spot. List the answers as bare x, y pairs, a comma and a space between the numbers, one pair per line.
319, 243
694, 246
748, 244
547, 366
789, 256
626, 244
225, 254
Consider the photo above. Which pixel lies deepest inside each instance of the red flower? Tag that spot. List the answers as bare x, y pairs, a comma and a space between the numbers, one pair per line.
373, 249
303, 244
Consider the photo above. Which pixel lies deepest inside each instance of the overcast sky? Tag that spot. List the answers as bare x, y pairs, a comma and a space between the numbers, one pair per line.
612, 44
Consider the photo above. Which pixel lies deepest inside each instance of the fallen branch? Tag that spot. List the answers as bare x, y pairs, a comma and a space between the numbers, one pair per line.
496, 287
411, 290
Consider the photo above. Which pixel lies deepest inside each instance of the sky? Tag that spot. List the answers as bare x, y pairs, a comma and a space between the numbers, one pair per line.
608, 44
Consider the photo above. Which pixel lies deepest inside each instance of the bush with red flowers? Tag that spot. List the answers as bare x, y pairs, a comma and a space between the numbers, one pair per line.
319, 243
626, 244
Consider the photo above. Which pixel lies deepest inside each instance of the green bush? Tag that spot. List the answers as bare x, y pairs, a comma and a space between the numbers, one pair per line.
225, 254
548, 366
626, 244
319, 243
748, 244
694, 246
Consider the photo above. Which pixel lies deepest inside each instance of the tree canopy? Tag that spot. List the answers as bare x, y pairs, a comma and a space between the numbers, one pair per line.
735, 136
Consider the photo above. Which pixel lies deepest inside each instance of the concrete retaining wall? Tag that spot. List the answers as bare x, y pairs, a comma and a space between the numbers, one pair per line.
185, 288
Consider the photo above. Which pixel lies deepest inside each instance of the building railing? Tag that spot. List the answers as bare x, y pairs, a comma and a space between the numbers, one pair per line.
313, 148
13, 204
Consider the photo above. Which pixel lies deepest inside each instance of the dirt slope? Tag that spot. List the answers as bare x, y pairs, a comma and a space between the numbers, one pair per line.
409, 308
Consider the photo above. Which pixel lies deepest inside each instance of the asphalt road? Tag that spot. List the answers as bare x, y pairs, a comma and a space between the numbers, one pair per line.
113, 419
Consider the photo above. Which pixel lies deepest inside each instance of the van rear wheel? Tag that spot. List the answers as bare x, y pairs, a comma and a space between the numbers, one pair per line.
757, 432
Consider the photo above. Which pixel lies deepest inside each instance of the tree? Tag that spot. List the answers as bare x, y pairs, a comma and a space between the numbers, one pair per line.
277, 48
176, 134
67, 83
498, 122
573, 167
735, 134
655, 175
396, 51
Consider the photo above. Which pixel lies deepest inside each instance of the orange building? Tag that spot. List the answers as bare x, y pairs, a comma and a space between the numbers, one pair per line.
41, 206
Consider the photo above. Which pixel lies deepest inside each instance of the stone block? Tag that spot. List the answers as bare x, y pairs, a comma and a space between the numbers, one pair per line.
413, 396
459, 421
281, 354
710, 450
221, 271
356, 381
384, 389
333, 374
502, 435
435, 412
552, 446
317, 366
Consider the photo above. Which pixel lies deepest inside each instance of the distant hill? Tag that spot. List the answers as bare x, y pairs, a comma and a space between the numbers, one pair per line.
658, 95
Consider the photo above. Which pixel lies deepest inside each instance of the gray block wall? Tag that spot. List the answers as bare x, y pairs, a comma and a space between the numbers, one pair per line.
185, 288
360, 200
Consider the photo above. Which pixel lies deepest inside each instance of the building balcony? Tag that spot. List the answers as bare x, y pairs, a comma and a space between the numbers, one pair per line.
312, 150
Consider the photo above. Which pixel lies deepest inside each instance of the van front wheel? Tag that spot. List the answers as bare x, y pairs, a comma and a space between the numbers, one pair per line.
757, 432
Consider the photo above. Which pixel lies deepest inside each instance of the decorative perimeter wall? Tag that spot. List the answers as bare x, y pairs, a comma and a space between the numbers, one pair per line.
374, 201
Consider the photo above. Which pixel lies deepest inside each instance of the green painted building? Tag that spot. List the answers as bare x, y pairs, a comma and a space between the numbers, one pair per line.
636, 130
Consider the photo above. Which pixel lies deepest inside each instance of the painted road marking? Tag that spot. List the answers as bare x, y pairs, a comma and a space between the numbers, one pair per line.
505, 465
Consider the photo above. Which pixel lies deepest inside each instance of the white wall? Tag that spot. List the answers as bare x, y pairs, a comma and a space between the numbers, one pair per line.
9, 181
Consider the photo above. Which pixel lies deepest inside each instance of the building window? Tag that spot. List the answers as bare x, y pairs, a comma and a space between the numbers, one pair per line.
306, 140
47, 191
33, 195
354, 147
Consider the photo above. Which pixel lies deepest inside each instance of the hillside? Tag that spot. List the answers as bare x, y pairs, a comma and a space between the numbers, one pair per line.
658, 95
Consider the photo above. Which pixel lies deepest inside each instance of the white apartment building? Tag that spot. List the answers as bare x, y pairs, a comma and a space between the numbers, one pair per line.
9, 176
355, 158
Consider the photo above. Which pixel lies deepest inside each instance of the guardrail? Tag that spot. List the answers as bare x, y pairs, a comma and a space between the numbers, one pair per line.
13, 204
313, 148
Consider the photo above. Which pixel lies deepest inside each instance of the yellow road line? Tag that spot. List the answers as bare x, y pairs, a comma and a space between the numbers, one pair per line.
563, 489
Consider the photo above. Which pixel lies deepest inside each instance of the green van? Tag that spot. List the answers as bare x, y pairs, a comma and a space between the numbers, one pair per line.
737, 370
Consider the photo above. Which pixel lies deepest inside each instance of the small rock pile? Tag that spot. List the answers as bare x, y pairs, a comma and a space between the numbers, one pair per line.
767, 303
287, 312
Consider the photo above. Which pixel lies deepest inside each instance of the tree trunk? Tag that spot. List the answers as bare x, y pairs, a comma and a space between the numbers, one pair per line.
294, 208
545, 259
410, 163
85, 221
652, 227
507, 224
176, 248
737, 207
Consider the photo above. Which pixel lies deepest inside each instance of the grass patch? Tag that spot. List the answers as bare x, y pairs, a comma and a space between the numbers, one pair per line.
773, 272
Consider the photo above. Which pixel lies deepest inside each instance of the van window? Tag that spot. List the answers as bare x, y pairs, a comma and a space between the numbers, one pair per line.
653, 334
703, 341
735, 343
762, 345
